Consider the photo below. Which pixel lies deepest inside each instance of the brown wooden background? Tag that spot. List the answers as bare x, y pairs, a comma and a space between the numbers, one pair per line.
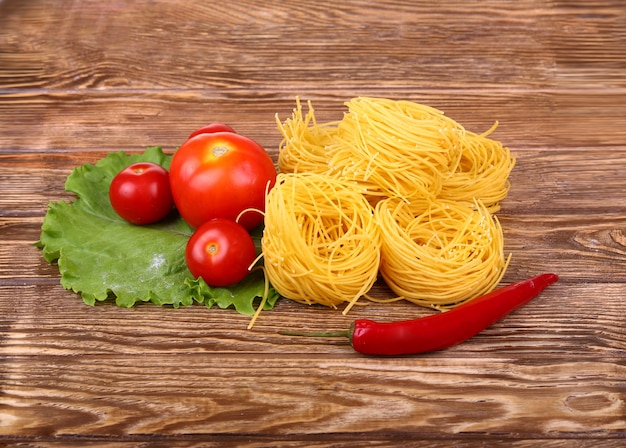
80, 78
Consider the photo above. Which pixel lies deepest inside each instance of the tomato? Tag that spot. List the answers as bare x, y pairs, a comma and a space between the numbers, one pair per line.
210, 128
141, 194
218, 175
220, 251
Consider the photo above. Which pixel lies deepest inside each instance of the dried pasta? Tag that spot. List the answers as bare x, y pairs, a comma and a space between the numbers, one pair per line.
320, 243
304, 145
439, 253
395, 148
394, 188
482, 172
398, 149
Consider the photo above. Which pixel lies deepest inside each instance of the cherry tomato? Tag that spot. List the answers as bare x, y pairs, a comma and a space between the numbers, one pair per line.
220, 251
210, 128
141, 194
219, 175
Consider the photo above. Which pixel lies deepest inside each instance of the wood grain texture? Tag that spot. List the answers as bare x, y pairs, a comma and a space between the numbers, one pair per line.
131, 120
82, 78
580, 330
298, 45
194, 393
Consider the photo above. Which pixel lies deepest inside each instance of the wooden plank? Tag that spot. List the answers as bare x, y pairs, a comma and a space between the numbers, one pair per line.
571, 181
84, 120
255, 45
306, 441
570, 320
295, 441
581, 247
198, 394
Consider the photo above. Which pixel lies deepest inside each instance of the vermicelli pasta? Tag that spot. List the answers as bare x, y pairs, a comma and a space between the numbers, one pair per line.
304, 148
482, 172
320, 242
439, 253
435, 188
398, 149
395, 148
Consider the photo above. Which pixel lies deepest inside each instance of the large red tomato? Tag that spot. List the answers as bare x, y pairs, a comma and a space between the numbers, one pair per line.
220, 251
219, 175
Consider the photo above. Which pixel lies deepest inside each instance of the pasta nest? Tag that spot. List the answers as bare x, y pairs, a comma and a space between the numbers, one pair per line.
439, 253
321, 243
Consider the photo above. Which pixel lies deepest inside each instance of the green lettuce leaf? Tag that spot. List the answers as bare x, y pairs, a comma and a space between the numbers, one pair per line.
103, 257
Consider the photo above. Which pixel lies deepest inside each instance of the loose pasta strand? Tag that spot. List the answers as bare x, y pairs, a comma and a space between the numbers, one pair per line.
266, 290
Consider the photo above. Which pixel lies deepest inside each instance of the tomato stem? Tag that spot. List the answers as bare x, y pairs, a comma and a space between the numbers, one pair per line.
212, 248
219, 151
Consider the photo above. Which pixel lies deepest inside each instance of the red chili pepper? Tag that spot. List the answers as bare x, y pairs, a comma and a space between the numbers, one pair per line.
443, 330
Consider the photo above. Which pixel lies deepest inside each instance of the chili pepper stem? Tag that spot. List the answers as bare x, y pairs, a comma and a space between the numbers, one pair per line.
321, 334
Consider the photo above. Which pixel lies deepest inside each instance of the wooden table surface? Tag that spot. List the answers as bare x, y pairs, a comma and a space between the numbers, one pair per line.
82, 78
